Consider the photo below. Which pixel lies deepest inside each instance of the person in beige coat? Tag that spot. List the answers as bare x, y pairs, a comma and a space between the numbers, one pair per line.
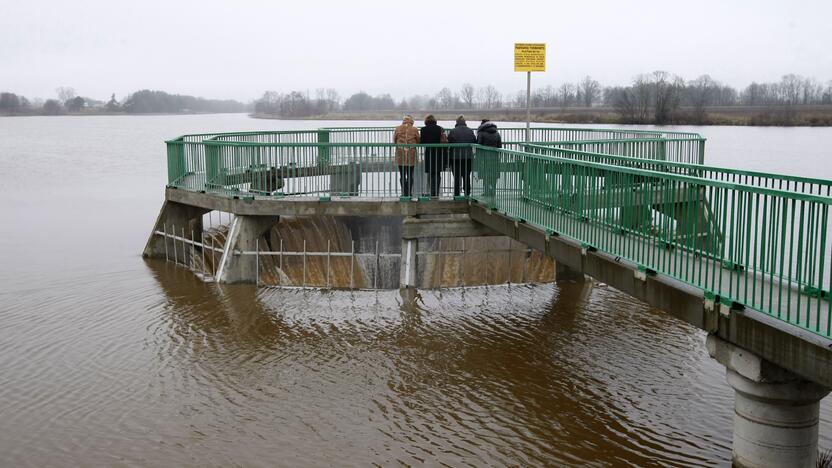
406, 134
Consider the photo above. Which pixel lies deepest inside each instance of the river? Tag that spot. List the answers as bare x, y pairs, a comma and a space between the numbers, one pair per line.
110, 360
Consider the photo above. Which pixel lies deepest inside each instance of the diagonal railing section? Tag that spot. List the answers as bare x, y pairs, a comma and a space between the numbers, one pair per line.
747, 238
763, 248
618, 153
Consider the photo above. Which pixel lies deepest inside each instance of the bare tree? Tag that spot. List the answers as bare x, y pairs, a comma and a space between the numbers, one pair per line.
632, 102
333, 99
666, 95
490, 97
466, 93
791, 88
590, 90
446, 98
519, 100
52, 107
826, 97
548, 96
566, 94
701, 93
65, 93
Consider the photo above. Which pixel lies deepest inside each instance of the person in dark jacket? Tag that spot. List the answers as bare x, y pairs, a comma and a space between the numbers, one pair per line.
488, 162
435, 158
461, 157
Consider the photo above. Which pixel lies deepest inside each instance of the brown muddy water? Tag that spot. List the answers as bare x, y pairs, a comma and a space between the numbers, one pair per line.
110, 360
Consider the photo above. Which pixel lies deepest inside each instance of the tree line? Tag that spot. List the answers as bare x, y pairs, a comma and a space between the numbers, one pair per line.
656, 98
145, 101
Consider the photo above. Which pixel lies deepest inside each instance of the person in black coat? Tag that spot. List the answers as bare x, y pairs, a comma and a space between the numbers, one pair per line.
435, 158
488, 163
461, 156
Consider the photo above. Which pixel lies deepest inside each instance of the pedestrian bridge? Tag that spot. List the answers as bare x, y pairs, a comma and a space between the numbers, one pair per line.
743, 255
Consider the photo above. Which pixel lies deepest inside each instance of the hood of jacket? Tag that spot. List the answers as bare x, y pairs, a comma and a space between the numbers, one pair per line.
489, 127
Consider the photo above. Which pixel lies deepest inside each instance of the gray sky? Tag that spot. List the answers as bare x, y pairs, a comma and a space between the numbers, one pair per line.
238, 49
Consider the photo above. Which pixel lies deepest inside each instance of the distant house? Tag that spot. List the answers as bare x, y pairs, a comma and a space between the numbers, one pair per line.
90, 103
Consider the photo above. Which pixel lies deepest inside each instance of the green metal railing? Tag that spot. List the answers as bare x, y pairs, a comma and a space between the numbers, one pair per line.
190, 166
618, 153
689, 150
744, 237
682, 146
763, 248
328, 169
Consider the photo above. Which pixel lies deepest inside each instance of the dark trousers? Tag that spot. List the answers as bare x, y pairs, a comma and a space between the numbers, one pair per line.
462, 176
435, 162
435, 181
406, 180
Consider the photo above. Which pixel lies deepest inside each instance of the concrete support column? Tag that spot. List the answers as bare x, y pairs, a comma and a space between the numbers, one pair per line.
173, 216
407, 276
242, 237
565, 273
775, 411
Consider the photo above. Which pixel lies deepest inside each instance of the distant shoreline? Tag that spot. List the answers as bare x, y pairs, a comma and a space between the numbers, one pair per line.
752, 116
96, 114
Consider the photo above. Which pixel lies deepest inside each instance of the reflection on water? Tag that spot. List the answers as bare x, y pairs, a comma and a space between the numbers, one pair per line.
109, 360
192, 373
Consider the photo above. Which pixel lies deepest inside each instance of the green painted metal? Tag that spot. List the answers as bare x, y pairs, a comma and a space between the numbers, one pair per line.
757, 247
615, 153
746, 238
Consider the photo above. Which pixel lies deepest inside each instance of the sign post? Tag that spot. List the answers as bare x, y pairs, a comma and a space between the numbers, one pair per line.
529, 57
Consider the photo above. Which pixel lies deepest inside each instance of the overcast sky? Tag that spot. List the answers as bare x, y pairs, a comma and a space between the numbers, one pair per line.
237, 49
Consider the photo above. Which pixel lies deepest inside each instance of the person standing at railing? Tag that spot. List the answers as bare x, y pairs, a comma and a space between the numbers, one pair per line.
461, 156
406, 134
488, 162
435, 158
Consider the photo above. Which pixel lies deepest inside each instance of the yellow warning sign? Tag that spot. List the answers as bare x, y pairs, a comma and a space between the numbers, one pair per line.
529, 57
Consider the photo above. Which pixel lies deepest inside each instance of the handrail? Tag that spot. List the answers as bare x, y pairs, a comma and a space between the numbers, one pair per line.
762, 248
700, 170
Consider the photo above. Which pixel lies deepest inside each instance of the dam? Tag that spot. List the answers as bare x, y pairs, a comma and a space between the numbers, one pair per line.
742, 255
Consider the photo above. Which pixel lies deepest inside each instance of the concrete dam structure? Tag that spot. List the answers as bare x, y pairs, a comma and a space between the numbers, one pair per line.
743, 255
355, 252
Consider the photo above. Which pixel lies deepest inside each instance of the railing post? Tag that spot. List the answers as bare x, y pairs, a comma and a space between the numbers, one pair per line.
212, 166
176, 160
323, 148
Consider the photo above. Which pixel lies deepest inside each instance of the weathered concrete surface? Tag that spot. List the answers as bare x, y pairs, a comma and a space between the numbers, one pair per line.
243, 236
173, 217
775, 411
418, 228
312, 207
803, 353
564, 273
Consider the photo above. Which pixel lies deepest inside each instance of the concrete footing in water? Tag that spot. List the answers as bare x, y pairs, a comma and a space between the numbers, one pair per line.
174, 219
775, 411
243, 236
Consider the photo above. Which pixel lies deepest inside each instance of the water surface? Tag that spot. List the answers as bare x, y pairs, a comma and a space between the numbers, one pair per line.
107, 359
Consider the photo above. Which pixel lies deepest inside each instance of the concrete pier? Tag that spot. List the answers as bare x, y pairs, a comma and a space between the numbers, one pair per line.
775, 411
173, 219
408, 273
243, 236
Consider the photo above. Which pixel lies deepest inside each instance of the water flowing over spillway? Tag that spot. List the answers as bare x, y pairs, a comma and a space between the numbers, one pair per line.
374, 260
